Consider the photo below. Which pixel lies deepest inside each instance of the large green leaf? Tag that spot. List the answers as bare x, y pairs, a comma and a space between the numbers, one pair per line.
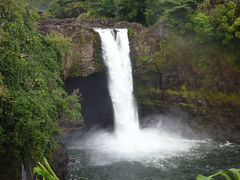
235, 173
42, 172
226, 176
49, 168
201, 177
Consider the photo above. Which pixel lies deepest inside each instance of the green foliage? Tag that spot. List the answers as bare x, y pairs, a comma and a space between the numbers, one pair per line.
131, 32
73, 8
224, 173
4, 97
212, 21
107, 8
144, 59
32, 97
179, 17
131, 10
151, 12
176, 13
154, 9
44, 170
66, 9
63, 44
218, 23
203, 27
143, 11
211, 66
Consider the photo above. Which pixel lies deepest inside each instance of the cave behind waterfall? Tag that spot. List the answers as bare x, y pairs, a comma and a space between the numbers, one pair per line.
95, 100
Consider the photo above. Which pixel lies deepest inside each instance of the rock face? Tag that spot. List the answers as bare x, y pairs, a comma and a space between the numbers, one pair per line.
10, 168
217, 121
85, 47
59, 161
86, 57
95, 100
144, 45
212, 117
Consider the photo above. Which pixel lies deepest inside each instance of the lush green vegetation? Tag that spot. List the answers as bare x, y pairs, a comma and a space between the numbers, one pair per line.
67, 9
202, 45
31, 95
143, 11
207, 71
225, 174
217, 21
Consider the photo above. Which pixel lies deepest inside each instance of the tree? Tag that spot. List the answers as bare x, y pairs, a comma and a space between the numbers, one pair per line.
66, 9
154, 9
31, 93
107, 8
218, 22
203, 27
180, 16
130, 10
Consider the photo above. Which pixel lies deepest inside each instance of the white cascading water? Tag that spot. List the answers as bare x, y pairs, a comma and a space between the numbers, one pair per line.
129, 142
116, 51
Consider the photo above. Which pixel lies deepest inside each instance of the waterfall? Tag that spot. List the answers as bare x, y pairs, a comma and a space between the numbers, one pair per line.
128, 142
115, 49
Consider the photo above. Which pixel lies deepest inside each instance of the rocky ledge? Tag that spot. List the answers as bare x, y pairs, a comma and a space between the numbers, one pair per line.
86, 57
59, 161
207, 119
89, 24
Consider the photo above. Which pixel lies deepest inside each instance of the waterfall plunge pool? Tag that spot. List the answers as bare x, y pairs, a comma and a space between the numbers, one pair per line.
97, 161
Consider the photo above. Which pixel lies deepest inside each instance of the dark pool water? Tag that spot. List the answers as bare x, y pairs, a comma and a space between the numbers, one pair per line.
205, 157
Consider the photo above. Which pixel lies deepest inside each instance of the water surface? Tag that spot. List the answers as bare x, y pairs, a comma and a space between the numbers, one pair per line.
205, 157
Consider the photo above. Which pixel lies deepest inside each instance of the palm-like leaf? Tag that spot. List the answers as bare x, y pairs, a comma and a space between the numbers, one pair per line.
235, 172
45, 171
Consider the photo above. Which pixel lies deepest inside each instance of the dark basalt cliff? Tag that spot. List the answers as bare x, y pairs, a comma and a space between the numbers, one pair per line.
85, 46
86, 57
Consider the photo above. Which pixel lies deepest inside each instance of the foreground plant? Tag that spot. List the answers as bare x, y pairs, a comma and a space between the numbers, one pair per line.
224, 173
45, 171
